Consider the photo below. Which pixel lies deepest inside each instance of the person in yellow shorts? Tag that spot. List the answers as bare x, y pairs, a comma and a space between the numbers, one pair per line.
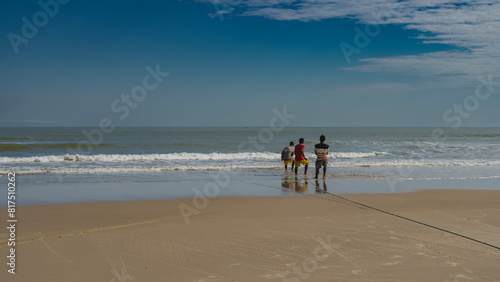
287, 155
300, 158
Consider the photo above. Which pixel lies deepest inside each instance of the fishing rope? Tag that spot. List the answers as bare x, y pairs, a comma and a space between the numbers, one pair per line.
398, 216
412, 220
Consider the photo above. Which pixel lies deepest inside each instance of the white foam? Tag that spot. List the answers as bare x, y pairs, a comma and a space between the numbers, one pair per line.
269, 156
129, 163
353, 155
138, 166
131, 169
415, 163
143, 157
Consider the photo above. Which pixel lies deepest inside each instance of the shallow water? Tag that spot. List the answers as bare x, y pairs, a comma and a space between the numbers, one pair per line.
49, 154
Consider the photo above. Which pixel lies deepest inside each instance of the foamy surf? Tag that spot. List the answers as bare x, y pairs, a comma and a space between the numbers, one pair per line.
269, 156
402, 152
127, 164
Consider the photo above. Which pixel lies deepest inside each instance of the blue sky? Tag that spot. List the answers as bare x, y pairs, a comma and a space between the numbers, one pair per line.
232, 62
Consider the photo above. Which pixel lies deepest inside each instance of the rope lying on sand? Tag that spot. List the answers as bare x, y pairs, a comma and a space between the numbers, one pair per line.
412, 220
396, 215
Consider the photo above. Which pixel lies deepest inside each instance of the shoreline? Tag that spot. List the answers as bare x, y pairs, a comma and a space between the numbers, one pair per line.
264, 238
36, 193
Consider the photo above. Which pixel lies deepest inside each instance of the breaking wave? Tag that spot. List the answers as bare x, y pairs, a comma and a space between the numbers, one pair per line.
265, 156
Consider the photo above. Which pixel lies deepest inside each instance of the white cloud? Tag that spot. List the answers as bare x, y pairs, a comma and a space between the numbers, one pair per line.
472, 26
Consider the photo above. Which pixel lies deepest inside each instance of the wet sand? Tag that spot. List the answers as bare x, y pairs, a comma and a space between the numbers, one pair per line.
302, 238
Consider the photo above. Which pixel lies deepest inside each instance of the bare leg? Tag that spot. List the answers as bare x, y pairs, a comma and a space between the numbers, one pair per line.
324, 172
318, 189
305, 171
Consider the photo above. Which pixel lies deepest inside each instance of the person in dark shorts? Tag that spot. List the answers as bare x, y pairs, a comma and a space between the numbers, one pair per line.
300, 158
287, 155
318, 187
321, 150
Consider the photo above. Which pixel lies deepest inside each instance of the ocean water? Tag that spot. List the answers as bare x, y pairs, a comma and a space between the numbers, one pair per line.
161, 153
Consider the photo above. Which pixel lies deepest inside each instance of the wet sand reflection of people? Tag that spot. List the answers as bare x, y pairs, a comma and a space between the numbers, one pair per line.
287, 182
318, 187
301, 185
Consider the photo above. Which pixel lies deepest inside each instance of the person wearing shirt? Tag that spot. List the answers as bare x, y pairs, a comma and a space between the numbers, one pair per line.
300, 158
321, 150
287, 155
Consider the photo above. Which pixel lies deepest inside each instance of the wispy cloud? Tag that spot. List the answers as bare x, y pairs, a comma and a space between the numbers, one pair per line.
472, 27
379, 88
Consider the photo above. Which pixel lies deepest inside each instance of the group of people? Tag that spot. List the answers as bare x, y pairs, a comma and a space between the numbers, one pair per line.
321, 150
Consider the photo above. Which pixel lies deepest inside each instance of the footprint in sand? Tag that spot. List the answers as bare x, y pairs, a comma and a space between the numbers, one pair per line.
419, 245
356, 272
458, 277
209, 278
393, 258
395, 238
452, 264
273, 276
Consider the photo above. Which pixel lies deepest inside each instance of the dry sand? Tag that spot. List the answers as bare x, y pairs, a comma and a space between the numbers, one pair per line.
298, 238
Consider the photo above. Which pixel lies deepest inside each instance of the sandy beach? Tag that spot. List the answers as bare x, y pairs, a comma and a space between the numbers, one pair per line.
296, 238
229, 140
